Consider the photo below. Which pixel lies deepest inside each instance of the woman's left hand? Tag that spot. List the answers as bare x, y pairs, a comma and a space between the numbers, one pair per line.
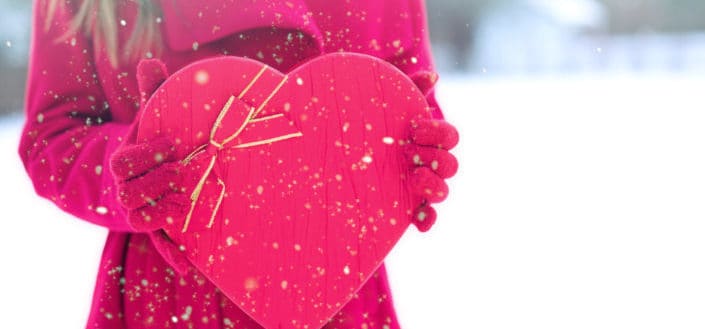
431, 139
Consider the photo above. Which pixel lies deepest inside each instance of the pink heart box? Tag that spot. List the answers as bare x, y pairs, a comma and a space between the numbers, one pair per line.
304, 190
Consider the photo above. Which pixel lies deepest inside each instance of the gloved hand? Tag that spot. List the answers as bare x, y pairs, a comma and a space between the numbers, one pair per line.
149, 184
428, 152
148, 179
153, 187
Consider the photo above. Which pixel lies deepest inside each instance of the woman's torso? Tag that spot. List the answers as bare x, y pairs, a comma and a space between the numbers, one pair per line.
136, 287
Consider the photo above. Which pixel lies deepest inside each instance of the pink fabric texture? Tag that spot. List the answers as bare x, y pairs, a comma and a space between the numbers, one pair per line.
150, 184
432, 139
80, 109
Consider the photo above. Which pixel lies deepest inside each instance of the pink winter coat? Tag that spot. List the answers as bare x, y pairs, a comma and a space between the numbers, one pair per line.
80, 108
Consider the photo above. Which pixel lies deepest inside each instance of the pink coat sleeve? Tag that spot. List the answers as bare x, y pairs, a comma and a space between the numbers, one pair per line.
417, 60
68, 135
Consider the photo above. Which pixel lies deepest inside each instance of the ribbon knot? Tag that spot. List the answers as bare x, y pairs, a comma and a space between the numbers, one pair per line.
214, 146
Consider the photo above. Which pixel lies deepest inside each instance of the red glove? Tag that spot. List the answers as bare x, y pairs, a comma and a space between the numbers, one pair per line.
428, 152
148, 178
150, 181
151, 187
149, 184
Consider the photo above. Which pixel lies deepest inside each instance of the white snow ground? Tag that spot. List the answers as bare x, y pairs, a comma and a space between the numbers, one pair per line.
580, 203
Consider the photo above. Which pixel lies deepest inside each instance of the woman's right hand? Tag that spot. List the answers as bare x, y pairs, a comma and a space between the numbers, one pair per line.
155, 189
150, 184
150, 181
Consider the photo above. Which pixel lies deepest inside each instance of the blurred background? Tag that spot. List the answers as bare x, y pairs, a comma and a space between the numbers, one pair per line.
513, 37
496, 37
578, 204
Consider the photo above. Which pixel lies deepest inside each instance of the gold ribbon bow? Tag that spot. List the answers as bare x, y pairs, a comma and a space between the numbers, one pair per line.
220, 145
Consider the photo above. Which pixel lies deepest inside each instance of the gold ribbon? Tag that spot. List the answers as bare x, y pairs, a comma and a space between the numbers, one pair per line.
219, 145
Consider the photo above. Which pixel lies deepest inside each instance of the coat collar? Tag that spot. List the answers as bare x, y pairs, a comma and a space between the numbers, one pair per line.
188, 23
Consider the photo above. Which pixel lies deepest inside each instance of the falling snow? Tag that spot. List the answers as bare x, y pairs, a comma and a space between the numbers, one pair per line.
201, 77
511, 170
479, 228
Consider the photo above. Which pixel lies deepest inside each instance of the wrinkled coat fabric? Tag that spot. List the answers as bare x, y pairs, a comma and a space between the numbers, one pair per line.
80, 109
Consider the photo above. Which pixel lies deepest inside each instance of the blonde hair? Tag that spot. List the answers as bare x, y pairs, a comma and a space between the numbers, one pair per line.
99, 17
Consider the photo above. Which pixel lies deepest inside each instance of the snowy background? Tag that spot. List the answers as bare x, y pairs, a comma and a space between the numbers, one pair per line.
579, 202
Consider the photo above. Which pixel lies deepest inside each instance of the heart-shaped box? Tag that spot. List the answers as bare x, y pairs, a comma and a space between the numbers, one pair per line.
303, 189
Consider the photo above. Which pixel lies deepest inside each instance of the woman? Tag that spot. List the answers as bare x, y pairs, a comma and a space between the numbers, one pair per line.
84, 90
